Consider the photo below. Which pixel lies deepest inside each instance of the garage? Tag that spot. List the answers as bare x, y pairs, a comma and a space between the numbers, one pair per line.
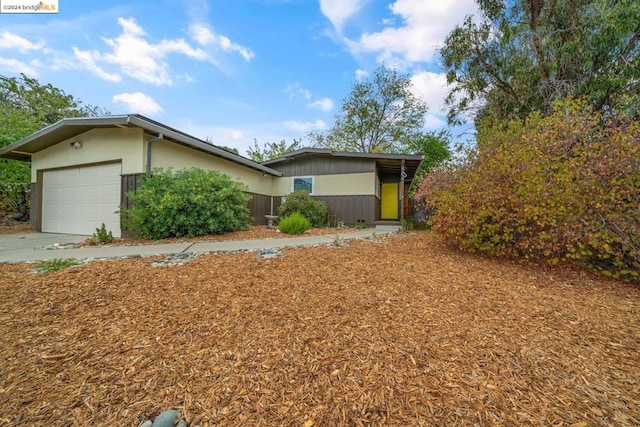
78, 200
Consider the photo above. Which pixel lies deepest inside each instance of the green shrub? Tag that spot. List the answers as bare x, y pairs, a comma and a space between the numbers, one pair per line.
294, 224
15, 177
300, 201
560, 188
191, 202
102, 236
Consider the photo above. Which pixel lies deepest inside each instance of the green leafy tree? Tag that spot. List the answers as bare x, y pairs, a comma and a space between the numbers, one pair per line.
434, 146
26, 106
191, 202
517, 57
381, 114
272, 150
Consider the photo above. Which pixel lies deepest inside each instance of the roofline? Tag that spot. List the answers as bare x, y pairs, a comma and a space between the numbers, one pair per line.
143, 123
151, 125
106, 120
326, 151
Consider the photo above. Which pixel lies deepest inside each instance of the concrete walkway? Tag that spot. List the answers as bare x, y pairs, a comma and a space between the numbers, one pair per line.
31, 247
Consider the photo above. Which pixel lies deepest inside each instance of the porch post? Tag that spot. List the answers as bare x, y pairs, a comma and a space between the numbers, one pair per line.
402, 177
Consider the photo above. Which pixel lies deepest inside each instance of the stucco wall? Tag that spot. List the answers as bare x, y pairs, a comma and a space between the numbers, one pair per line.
334, 185
98, 145
165, 154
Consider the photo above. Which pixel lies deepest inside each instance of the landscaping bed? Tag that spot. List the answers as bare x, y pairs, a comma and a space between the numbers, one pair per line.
254, 232
396, 331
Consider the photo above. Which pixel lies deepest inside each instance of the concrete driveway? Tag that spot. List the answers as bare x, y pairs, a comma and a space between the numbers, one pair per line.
27, 247
14, 247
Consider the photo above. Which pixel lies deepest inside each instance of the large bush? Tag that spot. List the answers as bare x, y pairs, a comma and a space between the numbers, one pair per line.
300, 201
191, 202
562, 187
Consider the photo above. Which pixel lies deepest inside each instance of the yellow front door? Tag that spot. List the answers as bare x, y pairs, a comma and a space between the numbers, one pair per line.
389, 201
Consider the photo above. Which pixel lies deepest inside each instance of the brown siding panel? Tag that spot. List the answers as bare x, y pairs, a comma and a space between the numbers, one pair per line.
323, 165
351, 209
260, 205
35, 211
129, 182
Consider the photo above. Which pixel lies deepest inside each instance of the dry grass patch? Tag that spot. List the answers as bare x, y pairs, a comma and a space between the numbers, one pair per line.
402, 331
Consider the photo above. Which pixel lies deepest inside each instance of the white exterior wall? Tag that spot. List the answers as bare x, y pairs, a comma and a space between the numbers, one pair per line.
98, 145
353, 184
167, 154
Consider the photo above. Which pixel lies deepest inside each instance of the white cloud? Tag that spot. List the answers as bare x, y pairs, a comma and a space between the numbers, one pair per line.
15, 42
134, 56
361, 74
432, 88
201, 34
88, 60
322, 104
295, 89
219, 135
339, 11
304, 127
434, 122
16, 66
138, 102
204, 36
425, 25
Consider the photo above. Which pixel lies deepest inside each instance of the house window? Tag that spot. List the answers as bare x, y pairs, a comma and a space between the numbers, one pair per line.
302, 183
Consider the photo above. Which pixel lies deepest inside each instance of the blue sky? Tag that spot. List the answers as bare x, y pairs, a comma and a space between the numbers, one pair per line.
231, 70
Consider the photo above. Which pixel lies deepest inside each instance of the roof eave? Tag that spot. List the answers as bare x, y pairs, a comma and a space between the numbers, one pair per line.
84, 123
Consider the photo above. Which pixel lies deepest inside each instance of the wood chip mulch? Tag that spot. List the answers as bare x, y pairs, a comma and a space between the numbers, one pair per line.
396, 331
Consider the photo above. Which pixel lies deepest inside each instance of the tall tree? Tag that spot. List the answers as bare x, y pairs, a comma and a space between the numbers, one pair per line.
272, 150
520, 56
381, 114
26, 106
434, 147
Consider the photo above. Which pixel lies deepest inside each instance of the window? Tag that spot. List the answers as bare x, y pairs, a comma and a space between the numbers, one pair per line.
302, 183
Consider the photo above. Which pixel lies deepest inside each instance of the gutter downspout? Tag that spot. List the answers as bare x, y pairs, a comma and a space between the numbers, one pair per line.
151, 141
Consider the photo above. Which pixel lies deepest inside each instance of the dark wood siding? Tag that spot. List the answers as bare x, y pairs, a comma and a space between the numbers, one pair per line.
351, 209
35, 211
324, 165
129, 182
260, 205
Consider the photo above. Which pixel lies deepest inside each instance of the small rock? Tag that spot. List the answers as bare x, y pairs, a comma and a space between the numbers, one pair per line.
166, 419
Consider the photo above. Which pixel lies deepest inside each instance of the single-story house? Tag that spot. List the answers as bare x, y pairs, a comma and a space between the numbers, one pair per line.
83, 168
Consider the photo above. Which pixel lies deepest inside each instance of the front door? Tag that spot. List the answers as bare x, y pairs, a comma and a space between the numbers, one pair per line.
389, 201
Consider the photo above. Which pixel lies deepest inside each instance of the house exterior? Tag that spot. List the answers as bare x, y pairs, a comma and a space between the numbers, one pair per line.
83, 168
359, 188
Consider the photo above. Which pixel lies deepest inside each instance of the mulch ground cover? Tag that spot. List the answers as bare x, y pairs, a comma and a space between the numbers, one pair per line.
396, 331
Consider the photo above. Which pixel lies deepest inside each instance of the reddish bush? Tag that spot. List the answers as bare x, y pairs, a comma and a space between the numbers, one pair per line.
562, 187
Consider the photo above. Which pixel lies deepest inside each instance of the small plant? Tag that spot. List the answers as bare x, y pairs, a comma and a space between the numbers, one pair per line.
56, 264
361, 224
300, 201
102, 236
294, 224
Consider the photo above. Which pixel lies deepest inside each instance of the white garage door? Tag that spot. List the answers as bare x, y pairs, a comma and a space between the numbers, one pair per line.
79, 200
